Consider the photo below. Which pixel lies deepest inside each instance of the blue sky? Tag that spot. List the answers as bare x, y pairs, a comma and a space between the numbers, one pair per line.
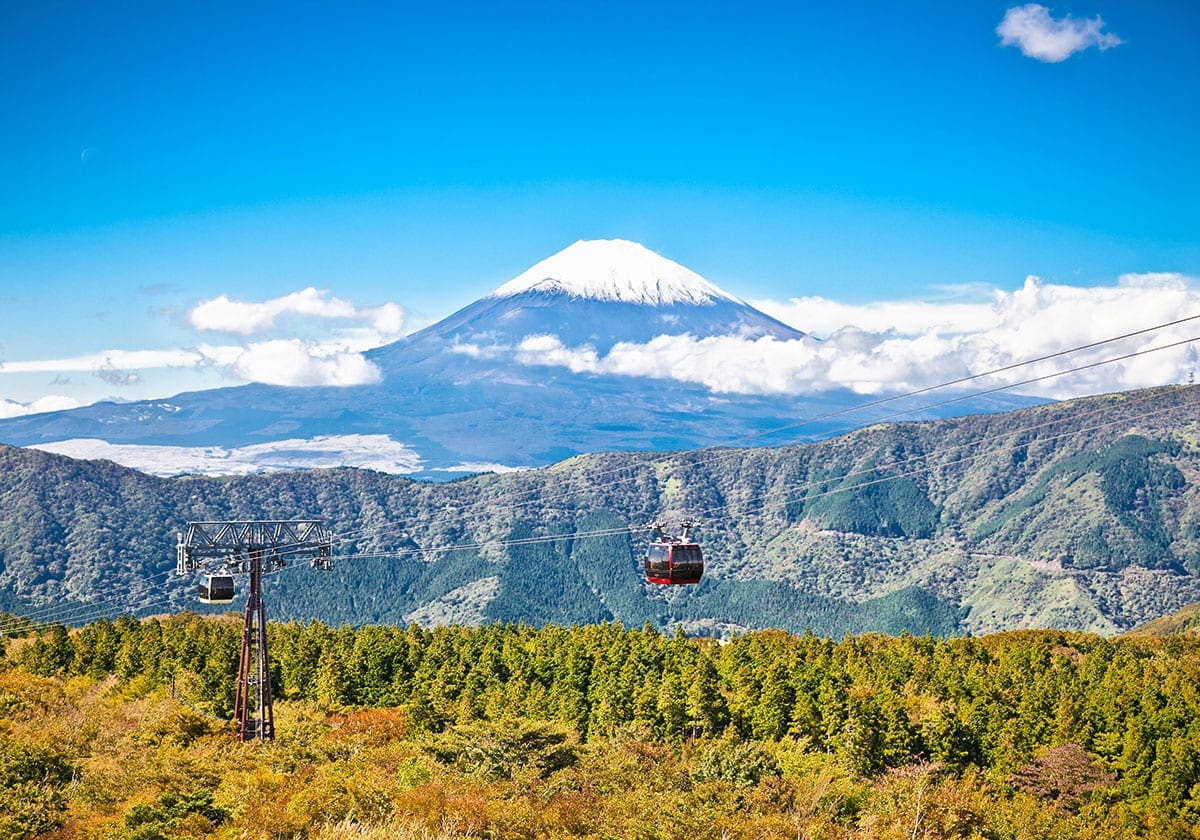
158, 155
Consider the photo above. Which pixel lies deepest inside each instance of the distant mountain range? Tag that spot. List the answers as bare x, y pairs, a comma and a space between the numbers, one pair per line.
511, 381
1078, 515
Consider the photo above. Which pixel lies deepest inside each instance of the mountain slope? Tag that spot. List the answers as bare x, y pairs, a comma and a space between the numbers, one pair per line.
1182, 622
513, 379
597, 293
1080, 515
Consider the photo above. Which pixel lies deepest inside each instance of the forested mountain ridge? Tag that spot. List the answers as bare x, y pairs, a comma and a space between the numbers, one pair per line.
1078, 515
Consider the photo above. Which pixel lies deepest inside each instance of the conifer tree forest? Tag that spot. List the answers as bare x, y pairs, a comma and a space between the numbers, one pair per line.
119, 729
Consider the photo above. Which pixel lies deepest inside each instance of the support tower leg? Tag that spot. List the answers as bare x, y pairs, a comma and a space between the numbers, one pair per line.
255, 717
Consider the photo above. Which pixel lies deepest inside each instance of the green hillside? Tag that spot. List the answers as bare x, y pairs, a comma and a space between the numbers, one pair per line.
1081, 515
1184, 622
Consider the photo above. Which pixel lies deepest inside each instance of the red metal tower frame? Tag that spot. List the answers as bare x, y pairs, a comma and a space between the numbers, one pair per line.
252, 707
254, 547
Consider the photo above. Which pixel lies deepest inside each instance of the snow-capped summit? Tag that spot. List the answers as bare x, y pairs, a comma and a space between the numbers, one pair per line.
595, 293
615, 270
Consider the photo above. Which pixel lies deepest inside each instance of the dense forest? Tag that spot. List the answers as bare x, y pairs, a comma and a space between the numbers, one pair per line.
114, 730
1081, 515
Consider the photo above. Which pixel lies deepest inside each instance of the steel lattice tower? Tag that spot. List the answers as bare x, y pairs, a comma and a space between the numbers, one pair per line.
254, 547
252, 708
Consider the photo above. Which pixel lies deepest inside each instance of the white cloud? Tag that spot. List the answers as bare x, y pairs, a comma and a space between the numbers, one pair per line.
328, 352
108, 360
387, 319
293, 362
1038, 35
549, 350
249, 317
909, 346
478, 351
822, 316
53, 402
278, 362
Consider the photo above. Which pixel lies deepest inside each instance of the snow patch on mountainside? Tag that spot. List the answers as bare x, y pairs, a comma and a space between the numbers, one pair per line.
374, 452
617, 270
483, 467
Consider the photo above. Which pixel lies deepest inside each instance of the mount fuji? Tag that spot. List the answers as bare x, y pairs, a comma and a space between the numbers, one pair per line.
513, 380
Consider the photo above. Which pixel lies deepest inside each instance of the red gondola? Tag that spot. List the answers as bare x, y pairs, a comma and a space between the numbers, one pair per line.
674, 560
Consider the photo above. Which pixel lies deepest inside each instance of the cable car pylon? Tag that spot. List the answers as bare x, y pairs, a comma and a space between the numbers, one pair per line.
251, 547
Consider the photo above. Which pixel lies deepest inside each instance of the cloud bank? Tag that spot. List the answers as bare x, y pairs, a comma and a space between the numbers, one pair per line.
294, 362
52, 402
882, 346
291, 362
239, 317
334, 360
1032, 30
892, 347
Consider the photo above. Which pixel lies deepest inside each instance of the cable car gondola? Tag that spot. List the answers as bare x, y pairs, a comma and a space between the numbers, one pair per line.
216, 589
674, 560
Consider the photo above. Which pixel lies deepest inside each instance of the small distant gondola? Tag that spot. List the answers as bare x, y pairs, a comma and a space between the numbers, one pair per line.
674, 560
216, 589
